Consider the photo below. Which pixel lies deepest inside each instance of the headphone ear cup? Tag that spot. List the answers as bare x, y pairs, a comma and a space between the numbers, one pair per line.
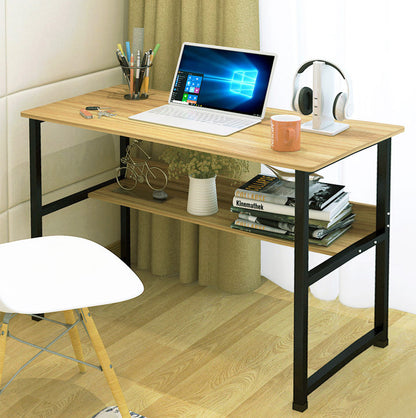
339, 107
304, 101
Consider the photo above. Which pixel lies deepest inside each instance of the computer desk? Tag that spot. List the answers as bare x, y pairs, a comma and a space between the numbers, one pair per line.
370, 229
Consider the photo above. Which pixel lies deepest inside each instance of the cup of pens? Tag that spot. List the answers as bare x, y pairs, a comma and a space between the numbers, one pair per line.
136, 72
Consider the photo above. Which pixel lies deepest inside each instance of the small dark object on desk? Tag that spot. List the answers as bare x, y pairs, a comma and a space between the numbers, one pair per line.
160, 195
96, 108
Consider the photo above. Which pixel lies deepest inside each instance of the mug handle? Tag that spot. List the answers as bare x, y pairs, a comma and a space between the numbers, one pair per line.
291, 137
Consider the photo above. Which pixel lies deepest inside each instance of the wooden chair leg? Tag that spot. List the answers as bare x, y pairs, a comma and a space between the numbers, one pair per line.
75, 340
105, 363
3, 337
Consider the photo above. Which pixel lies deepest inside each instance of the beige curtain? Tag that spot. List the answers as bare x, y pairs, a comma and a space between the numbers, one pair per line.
162, 245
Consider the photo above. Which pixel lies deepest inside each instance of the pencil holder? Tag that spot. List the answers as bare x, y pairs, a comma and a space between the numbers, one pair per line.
137, 78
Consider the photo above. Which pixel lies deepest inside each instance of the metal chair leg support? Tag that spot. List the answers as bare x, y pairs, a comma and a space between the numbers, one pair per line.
41, 349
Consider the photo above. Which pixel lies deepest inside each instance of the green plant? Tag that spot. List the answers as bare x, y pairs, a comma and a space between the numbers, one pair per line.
201, 164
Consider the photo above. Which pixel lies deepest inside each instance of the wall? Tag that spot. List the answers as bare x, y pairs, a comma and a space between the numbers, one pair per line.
51, 50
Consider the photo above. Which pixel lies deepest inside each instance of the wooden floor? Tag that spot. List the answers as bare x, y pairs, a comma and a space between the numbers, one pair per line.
189, 351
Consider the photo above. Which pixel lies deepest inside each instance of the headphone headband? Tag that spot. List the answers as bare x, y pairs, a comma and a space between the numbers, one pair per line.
309, 63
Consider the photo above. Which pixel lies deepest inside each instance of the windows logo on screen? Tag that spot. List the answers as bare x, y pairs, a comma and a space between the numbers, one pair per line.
243, 82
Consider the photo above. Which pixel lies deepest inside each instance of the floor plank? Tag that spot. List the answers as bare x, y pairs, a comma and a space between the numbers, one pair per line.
189, 351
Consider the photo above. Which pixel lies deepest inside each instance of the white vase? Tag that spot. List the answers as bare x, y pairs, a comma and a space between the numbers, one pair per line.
202, 196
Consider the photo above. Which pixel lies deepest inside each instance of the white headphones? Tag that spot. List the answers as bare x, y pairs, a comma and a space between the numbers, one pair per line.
302, 97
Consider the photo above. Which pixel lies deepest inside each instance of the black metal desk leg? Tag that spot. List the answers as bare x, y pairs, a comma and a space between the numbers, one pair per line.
125, 214
35, 183
381, 305
300, 343
35, 178
125, 234
124, 142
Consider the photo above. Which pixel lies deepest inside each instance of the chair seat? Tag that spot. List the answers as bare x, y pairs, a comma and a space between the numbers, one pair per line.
58, 273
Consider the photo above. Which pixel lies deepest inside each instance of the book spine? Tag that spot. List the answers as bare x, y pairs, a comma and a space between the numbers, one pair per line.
269, 222
260, 196
278, 227
259, 182
274, 208
259, 232
261, 227
281, 200
277, 216
325, 242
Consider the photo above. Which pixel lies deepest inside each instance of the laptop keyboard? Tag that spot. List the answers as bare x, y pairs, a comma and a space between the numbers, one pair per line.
200, 116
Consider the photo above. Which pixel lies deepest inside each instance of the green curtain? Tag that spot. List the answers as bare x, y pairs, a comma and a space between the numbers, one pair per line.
170, 247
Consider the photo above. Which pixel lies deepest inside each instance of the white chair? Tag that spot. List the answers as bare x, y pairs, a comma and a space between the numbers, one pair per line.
69, 274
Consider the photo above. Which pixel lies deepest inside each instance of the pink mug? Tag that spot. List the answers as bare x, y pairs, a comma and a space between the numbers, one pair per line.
285, 132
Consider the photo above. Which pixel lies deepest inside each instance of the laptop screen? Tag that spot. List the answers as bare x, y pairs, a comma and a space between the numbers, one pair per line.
223, 78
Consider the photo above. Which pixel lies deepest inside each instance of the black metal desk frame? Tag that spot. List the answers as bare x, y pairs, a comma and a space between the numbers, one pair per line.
302, 384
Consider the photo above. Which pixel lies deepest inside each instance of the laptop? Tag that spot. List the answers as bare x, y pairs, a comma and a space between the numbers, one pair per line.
216, 90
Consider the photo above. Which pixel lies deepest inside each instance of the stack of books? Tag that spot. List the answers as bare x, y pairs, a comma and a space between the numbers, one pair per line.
266, 206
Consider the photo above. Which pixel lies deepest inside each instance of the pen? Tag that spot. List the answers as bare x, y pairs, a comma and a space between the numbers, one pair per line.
149, 63
155, 49
131, 75
120, 48
145, 84
142, 71
123, 64
124, 61
128, 48
150, 60
136, 81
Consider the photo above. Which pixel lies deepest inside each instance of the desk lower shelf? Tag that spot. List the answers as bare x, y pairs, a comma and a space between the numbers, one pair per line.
175, 207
